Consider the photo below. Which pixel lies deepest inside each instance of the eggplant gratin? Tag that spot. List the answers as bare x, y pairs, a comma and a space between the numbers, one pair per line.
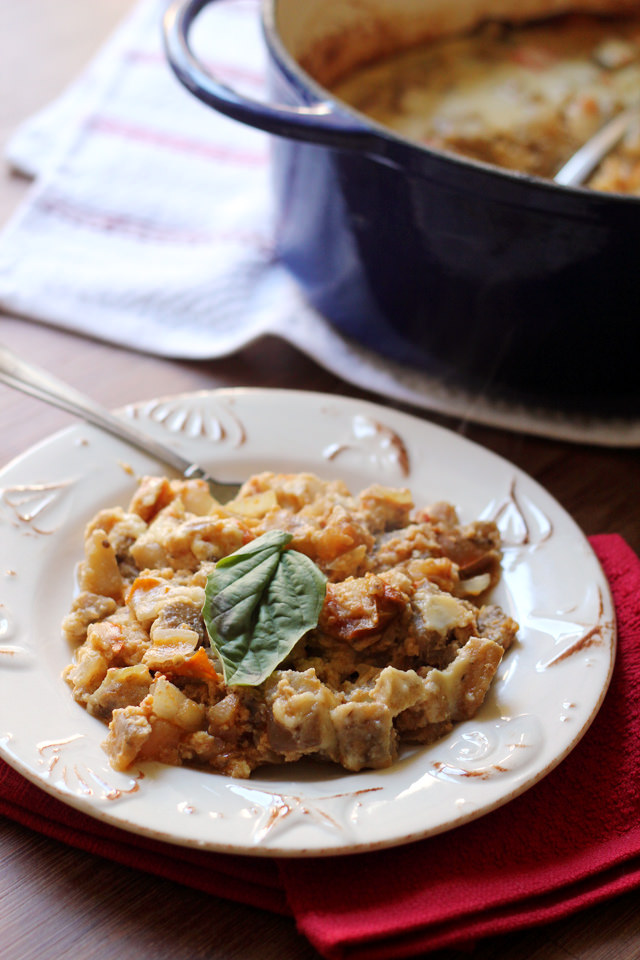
521, 96
368, 620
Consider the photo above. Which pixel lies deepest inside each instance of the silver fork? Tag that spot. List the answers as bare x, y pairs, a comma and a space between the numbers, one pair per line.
38, 383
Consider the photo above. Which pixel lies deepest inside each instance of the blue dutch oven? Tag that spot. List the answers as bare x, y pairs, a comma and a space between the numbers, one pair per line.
494, 279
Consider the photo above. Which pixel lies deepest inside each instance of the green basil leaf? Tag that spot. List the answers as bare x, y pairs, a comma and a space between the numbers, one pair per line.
259, 601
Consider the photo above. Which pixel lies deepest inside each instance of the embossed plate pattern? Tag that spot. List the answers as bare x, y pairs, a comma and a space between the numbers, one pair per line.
548, 689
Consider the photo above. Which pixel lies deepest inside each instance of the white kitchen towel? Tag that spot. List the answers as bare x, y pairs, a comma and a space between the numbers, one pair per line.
149, 225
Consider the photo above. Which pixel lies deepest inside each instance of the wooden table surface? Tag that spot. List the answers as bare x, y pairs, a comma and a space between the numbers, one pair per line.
57, 902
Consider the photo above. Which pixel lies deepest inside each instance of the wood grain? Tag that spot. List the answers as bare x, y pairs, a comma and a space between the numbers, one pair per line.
58, 902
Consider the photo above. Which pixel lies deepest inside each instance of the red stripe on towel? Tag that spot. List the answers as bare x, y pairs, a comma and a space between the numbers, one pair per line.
143, 229
170, 141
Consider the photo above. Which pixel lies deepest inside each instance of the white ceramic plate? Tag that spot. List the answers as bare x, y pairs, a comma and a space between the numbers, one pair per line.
548, 690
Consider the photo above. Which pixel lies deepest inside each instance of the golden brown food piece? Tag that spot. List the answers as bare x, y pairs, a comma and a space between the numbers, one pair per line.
87, 608
100, 574
121, 687
359, 610
182, 540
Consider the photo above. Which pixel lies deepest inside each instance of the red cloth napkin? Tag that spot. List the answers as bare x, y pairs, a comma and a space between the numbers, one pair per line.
567, 843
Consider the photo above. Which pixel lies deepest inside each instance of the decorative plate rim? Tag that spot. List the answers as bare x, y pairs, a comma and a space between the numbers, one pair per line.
548, 691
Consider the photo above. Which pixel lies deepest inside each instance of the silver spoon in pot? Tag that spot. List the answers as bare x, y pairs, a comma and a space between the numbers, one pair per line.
584, 161
36, 382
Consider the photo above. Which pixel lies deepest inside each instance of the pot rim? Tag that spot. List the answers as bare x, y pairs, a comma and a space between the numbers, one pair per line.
292, 69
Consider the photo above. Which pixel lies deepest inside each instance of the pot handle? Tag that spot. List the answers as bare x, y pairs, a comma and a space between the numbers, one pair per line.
321, 123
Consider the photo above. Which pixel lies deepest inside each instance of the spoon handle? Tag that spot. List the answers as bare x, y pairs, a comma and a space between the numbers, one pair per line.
584, 161
20, 375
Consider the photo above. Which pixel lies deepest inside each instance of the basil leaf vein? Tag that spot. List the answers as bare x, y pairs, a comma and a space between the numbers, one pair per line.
259, 601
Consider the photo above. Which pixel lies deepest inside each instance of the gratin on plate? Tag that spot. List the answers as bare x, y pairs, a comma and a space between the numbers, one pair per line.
367, 618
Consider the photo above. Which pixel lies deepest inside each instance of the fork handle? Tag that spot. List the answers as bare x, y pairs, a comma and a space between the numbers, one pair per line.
28, 378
